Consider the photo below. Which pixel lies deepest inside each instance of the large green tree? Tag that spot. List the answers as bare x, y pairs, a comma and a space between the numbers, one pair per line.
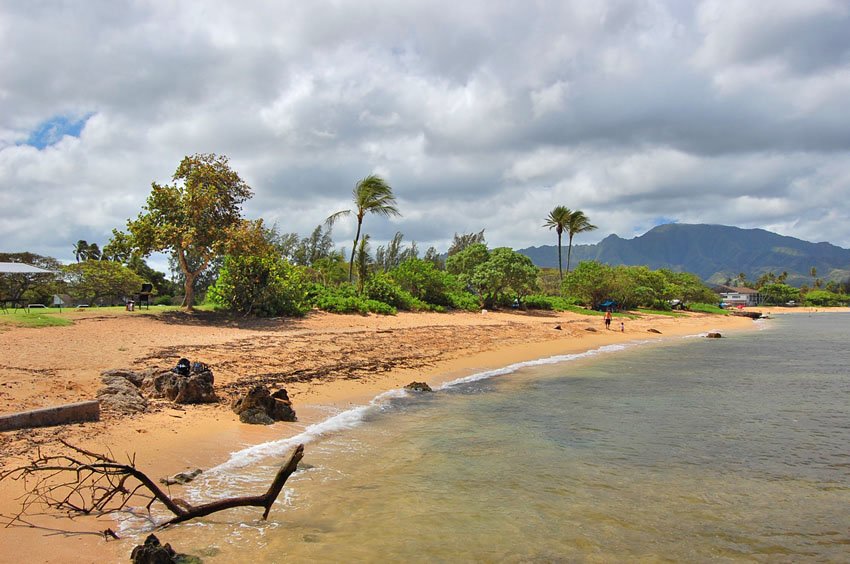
558, 220
36, 288
194, 218
577, 223
371, 195
92, 280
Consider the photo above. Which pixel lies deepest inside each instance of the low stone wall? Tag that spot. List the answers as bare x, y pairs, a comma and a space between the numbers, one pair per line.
48, 416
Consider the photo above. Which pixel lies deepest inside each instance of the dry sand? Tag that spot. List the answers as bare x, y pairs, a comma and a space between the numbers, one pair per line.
326, 362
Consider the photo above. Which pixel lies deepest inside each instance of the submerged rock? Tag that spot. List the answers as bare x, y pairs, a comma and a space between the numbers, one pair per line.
418, 387
152, 552
181, 477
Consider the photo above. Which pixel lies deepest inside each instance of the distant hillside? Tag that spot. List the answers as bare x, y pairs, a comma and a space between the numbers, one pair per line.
713, 252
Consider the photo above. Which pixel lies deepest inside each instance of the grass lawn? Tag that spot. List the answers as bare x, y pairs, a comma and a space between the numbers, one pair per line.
35, 318
51, 317
661, 312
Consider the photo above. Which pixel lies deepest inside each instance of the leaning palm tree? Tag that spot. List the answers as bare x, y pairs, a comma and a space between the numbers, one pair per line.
81, 250
371, 195
559, 219
578, 223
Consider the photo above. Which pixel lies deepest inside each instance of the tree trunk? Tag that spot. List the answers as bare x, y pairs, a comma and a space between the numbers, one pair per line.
354, 250
569, 252
189, 284
560, 267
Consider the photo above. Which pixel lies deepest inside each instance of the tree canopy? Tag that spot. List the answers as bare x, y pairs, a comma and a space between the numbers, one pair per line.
194, 218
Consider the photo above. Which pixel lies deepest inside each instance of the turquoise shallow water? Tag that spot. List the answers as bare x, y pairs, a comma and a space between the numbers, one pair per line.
735, 449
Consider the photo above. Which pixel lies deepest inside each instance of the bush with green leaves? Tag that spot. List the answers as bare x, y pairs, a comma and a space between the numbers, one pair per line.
550, 303
823, 298
260, 285
382, 288
423, 280
345, 299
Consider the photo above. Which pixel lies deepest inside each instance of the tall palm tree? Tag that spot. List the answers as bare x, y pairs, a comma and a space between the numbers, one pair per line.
578, 223
559, 219
371, 195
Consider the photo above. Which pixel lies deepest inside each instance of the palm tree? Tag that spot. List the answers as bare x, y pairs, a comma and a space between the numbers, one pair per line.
371, 195
578, 223
81, 250
559, 219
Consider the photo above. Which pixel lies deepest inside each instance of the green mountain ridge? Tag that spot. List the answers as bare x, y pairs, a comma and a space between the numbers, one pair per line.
715, 253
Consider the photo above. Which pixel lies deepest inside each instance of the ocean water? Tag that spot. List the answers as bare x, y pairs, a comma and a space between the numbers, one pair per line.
694, 450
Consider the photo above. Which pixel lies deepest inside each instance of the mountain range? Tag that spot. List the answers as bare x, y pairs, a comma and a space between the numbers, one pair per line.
716, 253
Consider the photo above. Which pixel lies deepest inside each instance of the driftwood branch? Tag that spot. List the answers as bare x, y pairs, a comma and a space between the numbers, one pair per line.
82, 482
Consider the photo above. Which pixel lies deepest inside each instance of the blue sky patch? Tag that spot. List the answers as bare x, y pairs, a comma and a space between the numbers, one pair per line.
53, 130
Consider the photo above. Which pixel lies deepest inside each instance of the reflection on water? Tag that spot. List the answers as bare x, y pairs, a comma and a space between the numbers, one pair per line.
737, 449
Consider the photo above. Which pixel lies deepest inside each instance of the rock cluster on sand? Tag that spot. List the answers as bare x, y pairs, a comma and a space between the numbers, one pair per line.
196, 387
260, 407
125, 390
121, 392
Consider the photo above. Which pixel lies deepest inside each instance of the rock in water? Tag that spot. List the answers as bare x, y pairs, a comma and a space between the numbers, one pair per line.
152, 552
713, 336
181, 477
418, 387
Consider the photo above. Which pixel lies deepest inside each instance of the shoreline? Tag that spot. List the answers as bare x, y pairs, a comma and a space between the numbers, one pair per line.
160, 444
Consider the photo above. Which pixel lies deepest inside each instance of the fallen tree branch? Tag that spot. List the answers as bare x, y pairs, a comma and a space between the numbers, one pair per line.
82, 482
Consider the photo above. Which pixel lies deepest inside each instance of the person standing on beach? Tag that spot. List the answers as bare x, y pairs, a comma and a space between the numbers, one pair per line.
608, 319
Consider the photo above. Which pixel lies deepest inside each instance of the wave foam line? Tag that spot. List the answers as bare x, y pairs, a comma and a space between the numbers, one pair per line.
511, 368
347, 419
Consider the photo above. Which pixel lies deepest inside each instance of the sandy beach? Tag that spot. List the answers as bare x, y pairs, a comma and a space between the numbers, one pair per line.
326, 362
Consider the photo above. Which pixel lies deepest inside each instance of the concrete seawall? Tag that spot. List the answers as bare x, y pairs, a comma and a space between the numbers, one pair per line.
49, 416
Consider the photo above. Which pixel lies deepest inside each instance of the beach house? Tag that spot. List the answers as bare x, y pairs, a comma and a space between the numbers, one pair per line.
734, 296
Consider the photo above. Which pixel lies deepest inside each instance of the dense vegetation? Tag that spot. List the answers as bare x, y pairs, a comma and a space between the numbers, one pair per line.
251, 269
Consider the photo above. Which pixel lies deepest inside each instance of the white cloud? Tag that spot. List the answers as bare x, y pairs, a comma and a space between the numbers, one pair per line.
480, 114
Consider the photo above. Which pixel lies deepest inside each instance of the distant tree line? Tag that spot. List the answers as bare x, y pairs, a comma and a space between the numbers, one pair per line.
248, 267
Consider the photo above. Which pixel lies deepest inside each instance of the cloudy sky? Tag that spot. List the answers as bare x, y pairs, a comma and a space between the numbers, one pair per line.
479, 114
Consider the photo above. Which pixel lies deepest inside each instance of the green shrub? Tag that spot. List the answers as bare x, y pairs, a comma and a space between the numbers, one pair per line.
260, 285
345, 299
463, 301
162, 300
822, 298
382, 288
553, 303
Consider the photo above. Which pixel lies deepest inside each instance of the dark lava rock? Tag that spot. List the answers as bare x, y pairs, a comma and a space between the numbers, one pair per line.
418, 387
713, 336
260, 407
